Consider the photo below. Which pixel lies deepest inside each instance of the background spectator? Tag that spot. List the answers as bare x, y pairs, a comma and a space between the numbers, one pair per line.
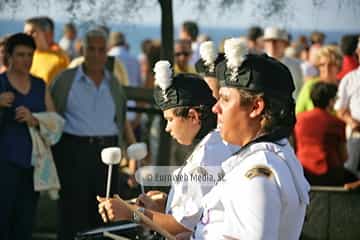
254, 39
189, 31
275, 43
348, 45
21, 94
321, 147
328, 61
67, 42
182, 53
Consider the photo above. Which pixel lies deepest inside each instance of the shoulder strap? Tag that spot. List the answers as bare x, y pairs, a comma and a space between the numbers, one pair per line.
243, 155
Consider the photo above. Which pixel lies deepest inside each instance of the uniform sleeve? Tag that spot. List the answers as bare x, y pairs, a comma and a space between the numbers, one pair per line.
185, 205
342, 101
254, 216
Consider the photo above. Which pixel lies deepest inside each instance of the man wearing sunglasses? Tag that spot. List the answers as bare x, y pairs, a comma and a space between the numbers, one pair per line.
182, 55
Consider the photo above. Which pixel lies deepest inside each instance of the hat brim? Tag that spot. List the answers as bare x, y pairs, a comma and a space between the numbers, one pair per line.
274, 38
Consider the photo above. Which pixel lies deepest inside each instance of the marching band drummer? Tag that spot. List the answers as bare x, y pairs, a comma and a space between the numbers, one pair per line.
263, 194
186, 102
205, 66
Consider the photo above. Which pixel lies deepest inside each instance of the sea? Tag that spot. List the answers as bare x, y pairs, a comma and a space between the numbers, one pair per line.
136, 33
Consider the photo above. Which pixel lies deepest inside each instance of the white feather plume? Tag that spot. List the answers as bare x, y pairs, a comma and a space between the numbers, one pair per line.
163, 74
208, 52
235, 49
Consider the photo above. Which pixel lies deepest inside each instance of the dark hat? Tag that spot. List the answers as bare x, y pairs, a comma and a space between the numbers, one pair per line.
205, 70
258, 73
186, 90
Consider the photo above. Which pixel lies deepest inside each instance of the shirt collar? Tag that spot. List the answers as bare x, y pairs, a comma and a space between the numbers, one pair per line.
81, 75
235, 160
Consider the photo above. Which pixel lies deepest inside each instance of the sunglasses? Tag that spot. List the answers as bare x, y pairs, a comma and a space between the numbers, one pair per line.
185, 54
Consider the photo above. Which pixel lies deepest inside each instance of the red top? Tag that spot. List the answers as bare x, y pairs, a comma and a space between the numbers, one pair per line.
349, 63
318, 137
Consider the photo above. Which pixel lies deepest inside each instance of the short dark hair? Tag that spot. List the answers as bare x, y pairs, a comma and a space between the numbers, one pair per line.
191, 28
277, 113
48, 23
117, 39
317, 37
69, 27
45, 24
322, 93
207, 117
254, 33
35, 21
17, 40
183, 42
348, 44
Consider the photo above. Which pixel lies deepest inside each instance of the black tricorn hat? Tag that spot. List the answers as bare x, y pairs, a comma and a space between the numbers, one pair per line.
259, 73
205, 70
186, 90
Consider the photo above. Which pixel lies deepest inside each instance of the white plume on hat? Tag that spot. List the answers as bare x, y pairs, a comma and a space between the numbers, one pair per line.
163, 74
208, 52
235, 49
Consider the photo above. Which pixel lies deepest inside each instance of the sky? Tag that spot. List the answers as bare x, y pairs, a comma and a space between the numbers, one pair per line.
300, 14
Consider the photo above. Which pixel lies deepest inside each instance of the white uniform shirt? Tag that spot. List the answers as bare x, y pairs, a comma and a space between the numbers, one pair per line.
271, 208
184, 201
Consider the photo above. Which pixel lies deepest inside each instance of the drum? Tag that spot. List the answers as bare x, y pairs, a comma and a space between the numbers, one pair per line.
126, 229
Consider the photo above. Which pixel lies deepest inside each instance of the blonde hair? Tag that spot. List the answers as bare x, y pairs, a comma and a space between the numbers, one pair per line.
330, 52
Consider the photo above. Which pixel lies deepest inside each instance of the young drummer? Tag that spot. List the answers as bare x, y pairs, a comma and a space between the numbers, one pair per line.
205, 66
186, 102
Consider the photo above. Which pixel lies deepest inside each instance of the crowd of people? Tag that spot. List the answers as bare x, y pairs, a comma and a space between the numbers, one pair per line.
267, 113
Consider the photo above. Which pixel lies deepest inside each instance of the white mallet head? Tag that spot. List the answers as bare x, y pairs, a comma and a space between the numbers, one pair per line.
111, 155
137, 151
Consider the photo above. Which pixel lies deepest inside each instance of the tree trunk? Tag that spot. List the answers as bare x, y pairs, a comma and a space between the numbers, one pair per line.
167, 53
167, 31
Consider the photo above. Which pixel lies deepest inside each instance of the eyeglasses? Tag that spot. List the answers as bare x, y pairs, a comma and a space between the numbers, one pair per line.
185, 54
326, 64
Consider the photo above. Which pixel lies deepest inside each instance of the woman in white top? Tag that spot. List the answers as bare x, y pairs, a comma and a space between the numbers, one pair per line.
263, 194
186, 102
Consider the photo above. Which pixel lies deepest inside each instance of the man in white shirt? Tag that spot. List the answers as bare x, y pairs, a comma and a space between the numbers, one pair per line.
189, 31
348, 109
118, 48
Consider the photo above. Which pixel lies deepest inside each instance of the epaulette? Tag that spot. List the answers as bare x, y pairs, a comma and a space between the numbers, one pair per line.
259, 171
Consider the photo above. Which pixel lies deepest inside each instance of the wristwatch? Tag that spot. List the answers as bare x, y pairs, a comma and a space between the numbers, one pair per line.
136, 218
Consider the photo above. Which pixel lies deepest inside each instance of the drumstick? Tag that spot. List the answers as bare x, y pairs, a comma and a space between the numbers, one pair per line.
138, 151
147, 220
113, 236
110, 156
155, 197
